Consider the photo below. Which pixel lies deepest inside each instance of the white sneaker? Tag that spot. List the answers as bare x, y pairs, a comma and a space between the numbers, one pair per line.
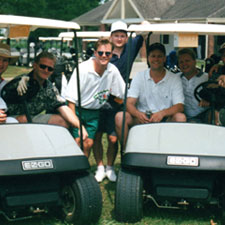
100, 175
110, 173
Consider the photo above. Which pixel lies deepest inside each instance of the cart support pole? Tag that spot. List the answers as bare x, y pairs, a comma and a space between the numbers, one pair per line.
78, 89
125, 95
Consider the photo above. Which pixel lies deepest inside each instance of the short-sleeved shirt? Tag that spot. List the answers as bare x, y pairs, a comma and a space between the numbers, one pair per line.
47, 98
95, 89
191, 104
156, 96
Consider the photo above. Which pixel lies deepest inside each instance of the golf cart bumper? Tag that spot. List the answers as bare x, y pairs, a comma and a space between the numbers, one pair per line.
174, 161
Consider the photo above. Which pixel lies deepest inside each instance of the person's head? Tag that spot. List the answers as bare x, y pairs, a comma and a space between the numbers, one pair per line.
119, 34
44, 66
187, 61
5, 57
156, 55
103, 51
222, 52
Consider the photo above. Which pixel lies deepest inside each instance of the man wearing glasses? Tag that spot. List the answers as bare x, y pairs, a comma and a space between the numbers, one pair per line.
98, 79
46, 97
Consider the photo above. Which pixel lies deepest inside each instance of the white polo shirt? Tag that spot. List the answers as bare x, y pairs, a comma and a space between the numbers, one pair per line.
156, 96
95, 89
191, 107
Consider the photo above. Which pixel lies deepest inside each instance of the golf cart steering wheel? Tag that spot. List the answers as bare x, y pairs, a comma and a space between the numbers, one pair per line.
211, 92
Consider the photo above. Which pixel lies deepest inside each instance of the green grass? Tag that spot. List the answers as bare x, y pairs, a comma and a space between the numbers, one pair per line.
152, 215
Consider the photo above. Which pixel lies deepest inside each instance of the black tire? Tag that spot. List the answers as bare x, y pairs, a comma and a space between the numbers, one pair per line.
82, 201
129, 197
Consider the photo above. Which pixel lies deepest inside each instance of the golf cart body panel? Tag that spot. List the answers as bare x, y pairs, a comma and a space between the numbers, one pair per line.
176, 146
39, 148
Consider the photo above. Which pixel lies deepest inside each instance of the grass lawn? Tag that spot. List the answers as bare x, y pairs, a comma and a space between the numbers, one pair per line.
152, 215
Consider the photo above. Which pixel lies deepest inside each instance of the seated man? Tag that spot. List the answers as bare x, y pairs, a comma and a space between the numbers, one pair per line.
154, 89
191, 77
46, 99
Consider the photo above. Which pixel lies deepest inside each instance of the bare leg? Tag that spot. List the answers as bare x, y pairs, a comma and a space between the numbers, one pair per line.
22, 119
87, 145
119, 124
58, 120
98, 149
112, 150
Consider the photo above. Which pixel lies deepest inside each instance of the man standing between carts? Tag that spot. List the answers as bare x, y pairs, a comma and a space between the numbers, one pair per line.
98, 79
156, 90
119, 58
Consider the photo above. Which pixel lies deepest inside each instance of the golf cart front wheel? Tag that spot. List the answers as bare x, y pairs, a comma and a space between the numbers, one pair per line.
82, 201
129, 197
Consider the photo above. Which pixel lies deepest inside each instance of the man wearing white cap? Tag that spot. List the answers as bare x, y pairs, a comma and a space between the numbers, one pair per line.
5, 59
119, 58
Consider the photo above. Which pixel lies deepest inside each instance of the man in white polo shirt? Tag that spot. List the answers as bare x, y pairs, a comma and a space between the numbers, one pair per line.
156, 91
98, 79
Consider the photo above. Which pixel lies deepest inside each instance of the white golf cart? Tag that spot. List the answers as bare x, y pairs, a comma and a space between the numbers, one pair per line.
173, 164
42, 169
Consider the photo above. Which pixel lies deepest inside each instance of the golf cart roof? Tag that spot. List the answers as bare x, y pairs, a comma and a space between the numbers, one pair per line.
54, 39
172, 28
85, 34
22, 25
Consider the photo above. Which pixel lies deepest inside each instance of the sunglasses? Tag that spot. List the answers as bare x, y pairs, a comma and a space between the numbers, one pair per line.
42, 66
100, 53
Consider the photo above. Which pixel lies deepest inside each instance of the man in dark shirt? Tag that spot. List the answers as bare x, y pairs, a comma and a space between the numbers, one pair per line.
119, 58
46, 98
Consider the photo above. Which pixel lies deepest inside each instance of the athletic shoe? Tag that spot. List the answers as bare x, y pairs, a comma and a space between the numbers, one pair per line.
111, 175
222, 117
100, 175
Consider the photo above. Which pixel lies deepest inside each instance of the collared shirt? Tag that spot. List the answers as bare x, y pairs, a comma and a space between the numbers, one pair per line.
47, 98
121, 63
191, 104
95, 89
156, 96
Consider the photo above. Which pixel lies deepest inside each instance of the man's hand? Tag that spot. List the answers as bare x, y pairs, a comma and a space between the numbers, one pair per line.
22, 86
3, 116
84, 133
221, 81
142, 118
213, 69
157, 117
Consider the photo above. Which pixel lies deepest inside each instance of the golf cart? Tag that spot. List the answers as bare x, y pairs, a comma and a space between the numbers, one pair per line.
174, 165
42, 168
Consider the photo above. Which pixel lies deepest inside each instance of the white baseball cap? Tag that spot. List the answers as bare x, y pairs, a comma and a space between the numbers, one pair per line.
119, 26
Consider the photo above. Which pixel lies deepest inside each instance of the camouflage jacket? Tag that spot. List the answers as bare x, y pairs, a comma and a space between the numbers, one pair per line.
46, 98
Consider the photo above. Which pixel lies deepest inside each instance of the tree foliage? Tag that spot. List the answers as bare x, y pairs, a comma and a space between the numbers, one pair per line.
52, 9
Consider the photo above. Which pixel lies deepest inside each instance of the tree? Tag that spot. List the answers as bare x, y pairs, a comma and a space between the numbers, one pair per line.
57, 9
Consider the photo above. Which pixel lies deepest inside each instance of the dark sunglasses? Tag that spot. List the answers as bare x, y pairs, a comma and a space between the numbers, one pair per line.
42, 66
100, 53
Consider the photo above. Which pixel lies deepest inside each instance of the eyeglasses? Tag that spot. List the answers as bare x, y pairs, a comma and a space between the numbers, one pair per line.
100, 53
42, 66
